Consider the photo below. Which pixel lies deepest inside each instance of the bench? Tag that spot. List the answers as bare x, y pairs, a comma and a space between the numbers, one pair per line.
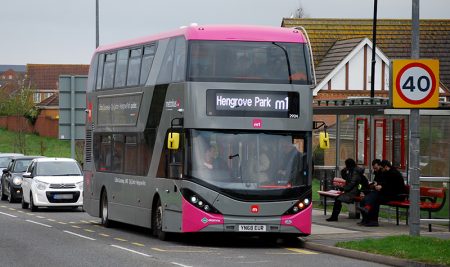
432, 199
339, 182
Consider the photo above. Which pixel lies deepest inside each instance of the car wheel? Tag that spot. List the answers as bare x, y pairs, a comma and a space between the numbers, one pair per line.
32, 206
157, 222
105, 211
24, 204
3, 194
11, 199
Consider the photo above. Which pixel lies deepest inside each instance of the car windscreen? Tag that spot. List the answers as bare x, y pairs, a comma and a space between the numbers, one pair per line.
4, 162
21, 165
58, 168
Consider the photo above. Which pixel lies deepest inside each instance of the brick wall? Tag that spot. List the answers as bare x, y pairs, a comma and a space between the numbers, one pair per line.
44, 126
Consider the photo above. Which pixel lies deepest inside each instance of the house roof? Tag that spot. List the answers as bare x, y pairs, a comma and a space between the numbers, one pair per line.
51, 101
334, 56
46, 76
393, 37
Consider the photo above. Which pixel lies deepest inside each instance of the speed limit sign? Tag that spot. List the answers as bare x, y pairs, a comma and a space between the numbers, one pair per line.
415, 83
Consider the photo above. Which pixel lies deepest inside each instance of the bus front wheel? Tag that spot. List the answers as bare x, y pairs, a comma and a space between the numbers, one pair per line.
157, 222
104, 211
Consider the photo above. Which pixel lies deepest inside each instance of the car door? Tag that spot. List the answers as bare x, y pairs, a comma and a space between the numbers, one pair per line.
5, 174
26, 182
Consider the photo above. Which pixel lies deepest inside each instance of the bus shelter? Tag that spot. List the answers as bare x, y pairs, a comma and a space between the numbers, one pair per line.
368, 128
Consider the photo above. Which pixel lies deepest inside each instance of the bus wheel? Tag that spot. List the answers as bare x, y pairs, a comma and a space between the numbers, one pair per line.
157, 222
104, 211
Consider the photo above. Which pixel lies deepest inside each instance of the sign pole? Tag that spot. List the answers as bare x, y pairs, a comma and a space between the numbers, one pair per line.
414, 137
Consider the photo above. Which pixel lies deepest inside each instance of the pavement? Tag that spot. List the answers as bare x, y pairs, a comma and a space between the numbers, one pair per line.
325, 235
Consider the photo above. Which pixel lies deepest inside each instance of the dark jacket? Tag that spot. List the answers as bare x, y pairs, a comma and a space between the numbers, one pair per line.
393, 185
351, 189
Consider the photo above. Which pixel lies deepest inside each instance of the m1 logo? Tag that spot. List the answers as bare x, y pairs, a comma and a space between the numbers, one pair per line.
254, 209
257, 123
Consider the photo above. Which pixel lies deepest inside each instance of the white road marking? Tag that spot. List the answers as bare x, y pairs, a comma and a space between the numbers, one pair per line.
82, 236
179, 264
130, 250
46, 225
8, 215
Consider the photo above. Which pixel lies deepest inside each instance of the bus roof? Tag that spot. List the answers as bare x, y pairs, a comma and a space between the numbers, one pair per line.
220, 33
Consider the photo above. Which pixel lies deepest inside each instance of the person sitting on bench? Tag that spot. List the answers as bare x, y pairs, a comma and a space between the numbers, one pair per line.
391, 187
353, 178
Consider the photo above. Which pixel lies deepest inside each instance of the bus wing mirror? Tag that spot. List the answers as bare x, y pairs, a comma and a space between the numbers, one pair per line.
324, 140
173, 140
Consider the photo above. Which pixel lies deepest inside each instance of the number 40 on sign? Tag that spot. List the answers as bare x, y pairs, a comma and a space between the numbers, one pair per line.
415, 83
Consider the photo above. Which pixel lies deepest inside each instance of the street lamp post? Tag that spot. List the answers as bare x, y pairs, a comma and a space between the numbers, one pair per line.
96, 25
374, 42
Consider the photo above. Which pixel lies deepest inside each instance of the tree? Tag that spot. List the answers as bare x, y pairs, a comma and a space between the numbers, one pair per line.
20, 104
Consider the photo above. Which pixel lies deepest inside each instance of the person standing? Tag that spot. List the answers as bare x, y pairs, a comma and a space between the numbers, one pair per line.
350, 189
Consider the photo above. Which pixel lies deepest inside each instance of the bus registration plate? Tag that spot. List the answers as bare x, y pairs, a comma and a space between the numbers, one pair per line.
252, 228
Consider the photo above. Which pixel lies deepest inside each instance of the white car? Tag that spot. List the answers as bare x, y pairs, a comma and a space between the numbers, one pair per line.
52, 182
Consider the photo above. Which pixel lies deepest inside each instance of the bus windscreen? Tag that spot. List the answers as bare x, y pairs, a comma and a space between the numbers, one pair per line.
232, 61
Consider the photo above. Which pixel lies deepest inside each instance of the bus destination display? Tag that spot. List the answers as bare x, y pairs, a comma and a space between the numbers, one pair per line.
252, 103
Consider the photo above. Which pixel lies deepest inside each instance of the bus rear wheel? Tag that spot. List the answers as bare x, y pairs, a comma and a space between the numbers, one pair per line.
157, 222
105, 211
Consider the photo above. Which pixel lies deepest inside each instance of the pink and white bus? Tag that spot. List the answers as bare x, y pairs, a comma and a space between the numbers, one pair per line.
202, 129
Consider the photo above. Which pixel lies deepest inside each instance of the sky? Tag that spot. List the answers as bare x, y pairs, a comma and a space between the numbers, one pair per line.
63, 31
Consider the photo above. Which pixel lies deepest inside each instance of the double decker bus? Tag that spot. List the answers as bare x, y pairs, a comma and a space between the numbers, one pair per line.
203, 129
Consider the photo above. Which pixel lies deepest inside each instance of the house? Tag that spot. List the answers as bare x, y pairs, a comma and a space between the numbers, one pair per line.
342, 50
44, 78
11, 74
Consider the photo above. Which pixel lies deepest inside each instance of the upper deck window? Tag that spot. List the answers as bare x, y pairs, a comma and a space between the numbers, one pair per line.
125, 68
232, 61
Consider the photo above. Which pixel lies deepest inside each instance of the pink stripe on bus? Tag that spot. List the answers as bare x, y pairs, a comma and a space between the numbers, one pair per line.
301, 220
220, 33
194, 219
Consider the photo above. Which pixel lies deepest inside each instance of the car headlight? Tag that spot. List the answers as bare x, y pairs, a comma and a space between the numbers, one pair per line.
41, 185
80, 185
17, 180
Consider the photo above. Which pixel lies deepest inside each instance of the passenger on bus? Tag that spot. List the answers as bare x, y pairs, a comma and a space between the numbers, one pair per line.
212, 161
289, 170
262, 165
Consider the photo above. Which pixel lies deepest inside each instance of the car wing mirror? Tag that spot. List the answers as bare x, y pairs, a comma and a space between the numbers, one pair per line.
27, 175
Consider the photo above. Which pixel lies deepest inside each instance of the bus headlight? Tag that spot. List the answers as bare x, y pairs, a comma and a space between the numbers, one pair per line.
299, 206
17, 180
197, 201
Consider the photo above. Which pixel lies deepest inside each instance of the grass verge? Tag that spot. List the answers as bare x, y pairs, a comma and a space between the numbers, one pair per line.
35, 145
418, 248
